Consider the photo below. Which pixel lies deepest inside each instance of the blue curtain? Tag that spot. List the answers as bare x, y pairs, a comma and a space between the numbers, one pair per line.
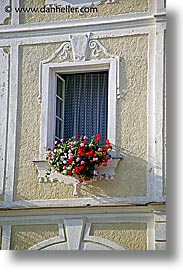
86, 104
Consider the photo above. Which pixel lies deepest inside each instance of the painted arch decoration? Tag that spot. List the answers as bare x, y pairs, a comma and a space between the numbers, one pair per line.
74, 235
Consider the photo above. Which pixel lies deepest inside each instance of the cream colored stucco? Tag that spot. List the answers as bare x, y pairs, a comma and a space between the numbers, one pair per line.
120, 7
132, 236
26, 236
130, 177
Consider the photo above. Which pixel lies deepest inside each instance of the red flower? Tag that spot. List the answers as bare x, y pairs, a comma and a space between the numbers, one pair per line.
98, 136
85, 142
107, 141
80, 180
78, 170
70, 160
87, 178
78, 136
104, 164
80, 151
105, 160
90, 153
69, 173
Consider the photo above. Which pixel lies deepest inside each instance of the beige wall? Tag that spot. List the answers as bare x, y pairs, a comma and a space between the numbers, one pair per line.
130, 177
132, 236
25, 236
120, 7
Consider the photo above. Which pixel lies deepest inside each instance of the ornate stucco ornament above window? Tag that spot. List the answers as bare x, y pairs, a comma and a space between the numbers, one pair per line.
83, 47
80, 45
78, 3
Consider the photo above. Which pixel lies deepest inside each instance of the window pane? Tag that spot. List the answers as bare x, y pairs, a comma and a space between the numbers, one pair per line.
59, 108
59, 87
59, 128
86, 104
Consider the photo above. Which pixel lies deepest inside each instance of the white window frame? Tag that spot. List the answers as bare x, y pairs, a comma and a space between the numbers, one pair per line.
48, 90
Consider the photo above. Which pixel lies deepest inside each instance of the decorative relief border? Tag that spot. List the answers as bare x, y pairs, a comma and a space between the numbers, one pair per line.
4, 90
76, 223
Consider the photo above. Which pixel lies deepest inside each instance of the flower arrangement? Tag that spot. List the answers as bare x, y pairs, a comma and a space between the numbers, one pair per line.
78, 157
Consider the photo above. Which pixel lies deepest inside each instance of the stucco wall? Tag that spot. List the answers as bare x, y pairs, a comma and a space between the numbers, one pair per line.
25, 236
132, 236
130, 177
120, 7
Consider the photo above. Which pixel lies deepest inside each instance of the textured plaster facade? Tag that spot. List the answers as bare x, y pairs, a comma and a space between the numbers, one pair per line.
130, 179
120, 7
25, 236
34, 212
131, 236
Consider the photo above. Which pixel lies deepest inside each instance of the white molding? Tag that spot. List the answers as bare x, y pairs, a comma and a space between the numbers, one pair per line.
48, 215
4, 90
150, 115
47, 76
104, 25
160, 6
12, 123
74, 202
158, 110
59, 36
15, 15
6, 237
3, 14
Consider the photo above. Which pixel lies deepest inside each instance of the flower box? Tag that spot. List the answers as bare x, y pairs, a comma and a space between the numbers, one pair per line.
108, 172
78, 160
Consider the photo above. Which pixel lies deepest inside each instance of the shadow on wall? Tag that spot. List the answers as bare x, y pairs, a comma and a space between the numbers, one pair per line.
130, 180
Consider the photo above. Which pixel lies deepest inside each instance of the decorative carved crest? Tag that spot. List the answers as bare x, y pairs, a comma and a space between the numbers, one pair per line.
80, 45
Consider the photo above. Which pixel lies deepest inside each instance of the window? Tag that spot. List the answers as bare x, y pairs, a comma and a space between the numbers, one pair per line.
81, 104
56, 82
97, 85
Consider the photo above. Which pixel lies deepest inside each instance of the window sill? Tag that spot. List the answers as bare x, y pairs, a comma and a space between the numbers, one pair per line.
42, 166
